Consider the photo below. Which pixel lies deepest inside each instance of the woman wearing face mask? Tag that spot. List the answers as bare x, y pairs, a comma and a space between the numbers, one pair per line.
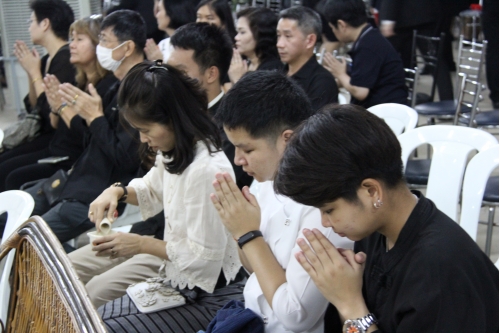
49, 24
218, 13
170, 15
200, 257
84, 38
255, 43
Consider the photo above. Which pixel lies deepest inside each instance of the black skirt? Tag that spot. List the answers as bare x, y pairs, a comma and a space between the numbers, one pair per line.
121, 315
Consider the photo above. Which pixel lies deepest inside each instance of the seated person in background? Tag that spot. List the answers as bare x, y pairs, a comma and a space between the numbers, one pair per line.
299, 30
218, 13
255, 43
169, 111
110, 153
376, 75
203, 52
50, 21
144, 7
170, 15
84, 35
260, 114
413, 269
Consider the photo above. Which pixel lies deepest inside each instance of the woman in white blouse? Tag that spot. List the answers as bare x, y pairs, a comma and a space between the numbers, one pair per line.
169, 111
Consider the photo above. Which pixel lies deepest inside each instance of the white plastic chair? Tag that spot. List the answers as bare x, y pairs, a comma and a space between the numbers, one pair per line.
342, 99
451, 147
19, 206
476, 175
399, 117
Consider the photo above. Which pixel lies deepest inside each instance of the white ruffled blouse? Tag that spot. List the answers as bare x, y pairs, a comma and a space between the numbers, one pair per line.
198, 244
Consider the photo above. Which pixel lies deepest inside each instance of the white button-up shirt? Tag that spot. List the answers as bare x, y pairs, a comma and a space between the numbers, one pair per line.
298, 305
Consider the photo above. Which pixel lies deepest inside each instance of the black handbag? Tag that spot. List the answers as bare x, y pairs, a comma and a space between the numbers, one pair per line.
52, 187
22, 131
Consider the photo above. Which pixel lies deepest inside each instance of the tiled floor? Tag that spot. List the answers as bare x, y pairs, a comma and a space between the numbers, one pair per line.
8, 115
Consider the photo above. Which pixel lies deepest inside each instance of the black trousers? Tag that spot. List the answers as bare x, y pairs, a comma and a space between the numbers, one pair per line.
490, 30
402, 41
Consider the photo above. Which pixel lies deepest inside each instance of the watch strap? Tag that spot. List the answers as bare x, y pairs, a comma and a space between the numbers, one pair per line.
248, 237
359, 325
368, 320
125, 191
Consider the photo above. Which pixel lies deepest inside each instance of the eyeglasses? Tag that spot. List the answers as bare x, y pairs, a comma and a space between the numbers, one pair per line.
103, 40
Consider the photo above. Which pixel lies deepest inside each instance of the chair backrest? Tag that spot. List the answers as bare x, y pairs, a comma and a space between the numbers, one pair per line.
18, 205
47, 295
451, 146
468, 100
1, 137
430, 56
342, 99
470, 60
476, 175
399, 117
411, 80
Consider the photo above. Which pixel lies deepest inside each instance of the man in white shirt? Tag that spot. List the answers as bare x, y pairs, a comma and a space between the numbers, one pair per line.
259, 115
204, 53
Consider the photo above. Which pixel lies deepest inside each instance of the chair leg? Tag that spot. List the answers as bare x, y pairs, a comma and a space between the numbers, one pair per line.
489, 230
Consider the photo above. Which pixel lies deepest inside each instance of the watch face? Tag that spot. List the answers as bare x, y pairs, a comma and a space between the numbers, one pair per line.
351, 327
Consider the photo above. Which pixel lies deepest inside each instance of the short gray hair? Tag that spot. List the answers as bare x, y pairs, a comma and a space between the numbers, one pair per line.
308, 21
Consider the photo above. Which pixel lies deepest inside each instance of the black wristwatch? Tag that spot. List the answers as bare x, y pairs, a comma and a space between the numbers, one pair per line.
248, 237
125, 192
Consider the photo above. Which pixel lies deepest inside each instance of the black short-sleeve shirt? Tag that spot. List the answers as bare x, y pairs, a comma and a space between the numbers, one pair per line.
318, 83
377, 66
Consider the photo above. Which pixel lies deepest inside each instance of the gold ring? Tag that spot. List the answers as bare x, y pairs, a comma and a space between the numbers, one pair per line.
76, 96
91, 213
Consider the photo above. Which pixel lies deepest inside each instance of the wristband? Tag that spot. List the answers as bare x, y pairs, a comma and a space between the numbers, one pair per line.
125, 192
61, 109
248, 237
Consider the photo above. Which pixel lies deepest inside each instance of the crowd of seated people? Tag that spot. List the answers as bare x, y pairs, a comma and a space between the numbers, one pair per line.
184, 129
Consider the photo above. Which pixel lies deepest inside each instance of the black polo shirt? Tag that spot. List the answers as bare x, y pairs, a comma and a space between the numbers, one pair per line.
318, 83
377, 66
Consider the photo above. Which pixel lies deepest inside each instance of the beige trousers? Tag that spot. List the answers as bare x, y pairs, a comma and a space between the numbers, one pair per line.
107, 279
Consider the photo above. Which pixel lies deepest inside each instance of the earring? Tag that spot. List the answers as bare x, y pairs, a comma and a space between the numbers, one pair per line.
378, 204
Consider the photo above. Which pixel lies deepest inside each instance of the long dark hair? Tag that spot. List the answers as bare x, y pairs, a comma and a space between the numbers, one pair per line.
156, 93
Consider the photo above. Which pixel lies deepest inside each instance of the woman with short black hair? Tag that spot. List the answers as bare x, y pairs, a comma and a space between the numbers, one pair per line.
413, 269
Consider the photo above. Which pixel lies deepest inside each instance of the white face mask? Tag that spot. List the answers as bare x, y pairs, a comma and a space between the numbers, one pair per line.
105, 57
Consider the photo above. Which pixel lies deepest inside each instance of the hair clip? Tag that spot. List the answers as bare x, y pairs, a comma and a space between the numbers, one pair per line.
158, 64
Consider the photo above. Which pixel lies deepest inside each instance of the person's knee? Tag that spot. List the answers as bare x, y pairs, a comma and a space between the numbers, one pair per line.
101, 289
